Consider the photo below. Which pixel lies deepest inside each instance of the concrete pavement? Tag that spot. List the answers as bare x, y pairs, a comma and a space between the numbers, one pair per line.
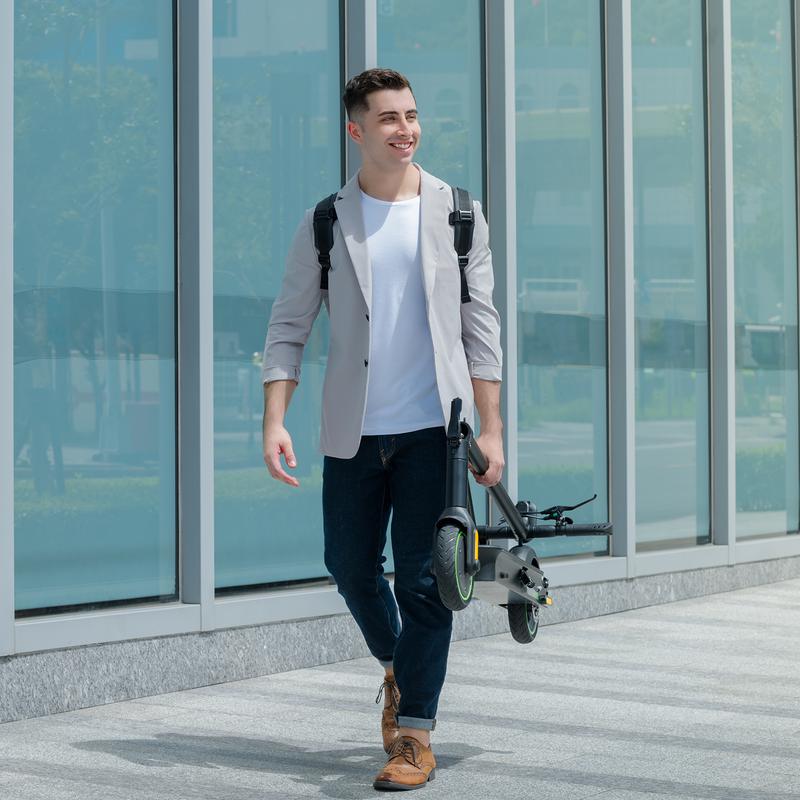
695, 699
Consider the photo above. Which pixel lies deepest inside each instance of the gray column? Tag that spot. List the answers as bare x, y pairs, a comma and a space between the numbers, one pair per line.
790, 143
6, 328
195, 303
622, 410
501, 210
795, 32
788, 224
700, 247
360, 53
167, 461
720, 215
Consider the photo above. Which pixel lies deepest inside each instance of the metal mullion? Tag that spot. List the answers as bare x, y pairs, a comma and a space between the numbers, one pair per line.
7, 329
722, 316
621, 331
795, 35
767, 548
575, 570
107, 625
361, 52
681, 559
279, 605
195, 304
501, 194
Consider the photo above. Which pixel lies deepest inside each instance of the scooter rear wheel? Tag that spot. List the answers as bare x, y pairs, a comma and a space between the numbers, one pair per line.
523, 620
449, 554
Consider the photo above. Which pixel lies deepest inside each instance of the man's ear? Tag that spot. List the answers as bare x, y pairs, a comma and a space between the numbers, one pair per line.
354, 131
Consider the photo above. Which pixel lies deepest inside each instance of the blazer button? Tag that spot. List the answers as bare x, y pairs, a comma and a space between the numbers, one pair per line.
366, 362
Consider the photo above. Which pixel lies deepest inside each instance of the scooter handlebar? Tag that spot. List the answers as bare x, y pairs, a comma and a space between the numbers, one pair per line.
459, 428
541, 531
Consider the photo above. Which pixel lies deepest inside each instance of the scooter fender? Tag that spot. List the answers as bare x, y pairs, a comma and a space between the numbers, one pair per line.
459, 516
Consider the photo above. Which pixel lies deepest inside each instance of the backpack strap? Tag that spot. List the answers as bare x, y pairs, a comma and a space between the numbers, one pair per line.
463, 221
324, 217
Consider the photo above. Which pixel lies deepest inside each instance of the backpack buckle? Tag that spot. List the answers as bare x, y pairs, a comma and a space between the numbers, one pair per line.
325, 213
461, 215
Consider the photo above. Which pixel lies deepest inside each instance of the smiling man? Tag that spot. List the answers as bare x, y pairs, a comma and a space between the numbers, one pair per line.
403, 344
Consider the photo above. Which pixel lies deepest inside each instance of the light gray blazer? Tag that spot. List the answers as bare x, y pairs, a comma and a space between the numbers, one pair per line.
466, 336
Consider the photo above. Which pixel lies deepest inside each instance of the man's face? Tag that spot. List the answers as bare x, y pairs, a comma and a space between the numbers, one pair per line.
388, 132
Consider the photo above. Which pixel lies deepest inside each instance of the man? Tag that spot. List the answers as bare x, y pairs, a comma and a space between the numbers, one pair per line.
402, 345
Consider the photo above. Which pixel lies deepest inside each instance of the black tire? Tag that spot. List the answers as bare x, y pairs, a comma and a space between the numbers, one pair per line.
449, 553
523, 618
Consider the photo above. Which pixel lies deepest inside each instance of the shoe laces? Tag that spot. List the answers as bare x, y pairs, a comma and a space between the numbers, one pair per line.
407, 748
394, 692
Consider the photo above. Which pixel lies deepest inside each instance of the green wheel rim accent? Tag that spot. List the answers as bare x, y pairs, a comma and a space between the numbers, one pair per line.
464, 597
532, 621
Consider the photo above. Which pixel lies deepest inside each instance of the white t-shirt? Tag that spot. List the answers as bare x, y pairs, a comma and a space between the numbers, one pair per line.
401, 386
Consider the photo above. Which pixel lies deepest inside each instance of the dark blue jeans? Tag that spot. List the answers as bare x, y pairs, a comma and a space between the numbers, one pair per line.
403, 474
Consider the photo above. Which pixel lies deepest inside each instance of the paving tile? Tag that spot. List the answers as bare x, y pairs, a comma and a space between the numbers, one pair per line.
694, 699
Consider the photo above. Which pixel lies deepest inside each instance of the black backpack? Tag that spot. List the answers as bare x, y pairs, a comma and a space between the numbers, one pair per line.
462, 220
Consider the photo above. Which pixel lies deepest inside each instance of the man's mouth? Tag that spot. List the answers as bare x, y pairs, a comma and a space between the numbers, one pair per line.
402, 145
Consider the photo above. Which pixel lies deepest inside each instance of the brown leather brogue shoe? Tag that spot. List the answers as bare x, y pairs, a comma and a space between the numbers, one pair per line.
410, 766
389, 729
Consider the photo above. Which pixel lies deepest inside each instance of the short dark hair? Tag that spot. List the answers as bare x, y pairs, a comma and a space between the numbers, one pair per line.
367, 82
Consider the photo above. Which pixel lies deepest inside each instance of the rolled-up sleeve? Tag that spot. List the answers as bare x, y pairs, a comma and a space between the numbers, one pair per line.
294, 310
480, 322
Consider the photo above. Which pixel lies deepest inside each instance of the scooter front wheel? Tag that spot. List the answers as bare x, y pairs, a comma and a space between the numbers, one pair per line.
449, 560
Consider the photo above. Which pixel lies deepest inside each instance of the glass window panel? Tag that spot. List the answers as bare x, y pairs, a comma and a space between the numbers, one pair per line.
561, 268
442, 58
765, 259
670, 270
94, 324
277, 151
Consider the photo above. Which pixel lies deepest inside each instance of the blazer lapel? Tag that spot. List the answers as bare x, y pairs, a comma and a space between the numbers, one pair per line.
434, 211
433, 216
351, 222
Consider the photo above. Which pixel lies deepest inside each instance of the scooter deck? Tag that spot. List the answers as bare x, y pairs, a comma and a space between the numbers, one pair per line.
499, 579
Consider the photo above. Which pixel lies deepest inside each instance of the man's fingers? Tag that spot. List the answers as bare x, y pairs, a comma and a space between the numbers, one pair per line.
289, 479
288, 454
283, 476
273, 461
491, 476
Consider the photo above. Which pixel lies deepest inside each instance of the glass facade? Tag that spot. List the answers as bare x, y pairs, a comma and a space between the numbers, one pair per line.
765, 259
94, 304
97, 257
670, 270
277, 151
561, 263
442, 60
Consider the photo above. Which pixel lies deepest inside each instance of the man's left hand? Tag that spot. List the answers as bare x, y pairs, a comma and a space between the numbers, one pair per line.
491, 445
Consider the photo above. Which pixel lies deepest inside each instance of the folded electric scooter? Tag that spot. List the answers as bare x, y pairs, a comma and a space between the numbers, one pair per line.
467, 565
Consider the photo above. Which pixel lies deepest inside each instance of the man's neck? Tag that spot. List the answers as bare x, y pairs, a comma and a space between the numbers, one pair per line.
391, 186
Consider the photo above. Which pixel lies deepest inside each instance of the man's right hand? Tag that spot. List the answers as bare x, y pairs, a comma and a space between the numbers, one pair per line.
277, 441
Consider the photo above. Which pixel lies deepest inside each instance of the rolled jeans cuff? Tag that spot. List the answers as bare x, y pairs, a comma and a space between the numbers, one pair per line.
416, 722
